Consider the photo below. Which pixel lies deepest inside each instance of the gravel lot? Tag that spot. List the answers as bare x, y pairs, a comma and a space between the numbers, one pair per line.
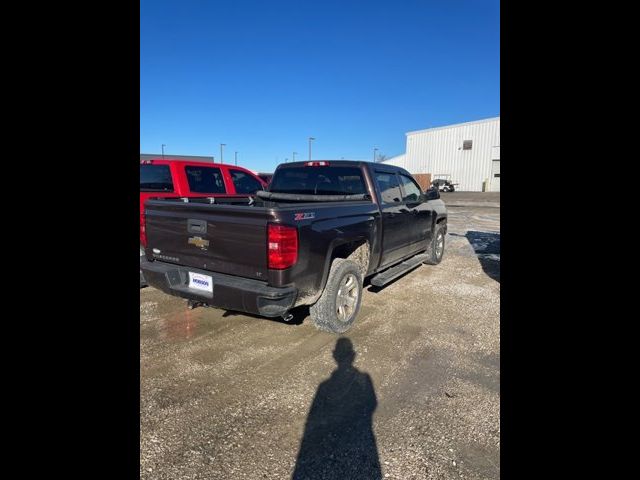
412, 391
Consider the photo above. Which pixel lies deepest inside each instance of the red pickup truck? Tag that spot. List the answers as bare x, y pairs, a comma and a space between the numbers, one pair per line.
177, 178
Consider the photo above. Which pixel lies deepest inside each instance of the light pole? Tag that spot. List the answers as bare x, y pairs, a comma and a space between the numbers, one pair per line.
310, 139
374, 154
222, 145
294, 156
236, 159
163, 145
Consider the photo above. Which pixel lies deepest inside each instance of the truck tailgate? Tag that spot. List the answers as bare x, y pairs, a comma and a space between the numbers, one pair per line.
220, 238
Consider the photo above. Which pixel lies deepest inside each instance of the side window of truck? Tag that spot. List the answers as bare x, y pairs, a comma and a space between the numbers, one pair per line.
389, 187
205, 179
244, 182
411, 189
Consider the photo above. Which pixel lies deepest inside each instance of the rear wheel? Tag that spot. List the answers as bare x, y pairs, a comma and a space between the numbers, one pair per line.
338, 306
435, 250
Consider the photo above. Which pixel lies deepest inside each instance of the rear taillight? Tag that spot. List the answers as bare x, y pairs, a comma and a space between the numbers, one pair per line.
282, 246
317, 164
143, 229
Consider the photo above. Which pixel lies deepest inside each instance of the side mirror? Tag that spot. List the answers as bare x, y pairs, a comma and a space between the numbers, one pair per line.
432, 194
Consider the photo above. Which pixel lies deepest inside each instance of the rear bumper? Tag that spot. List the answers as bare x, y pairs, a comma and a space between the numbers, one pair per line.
229, 292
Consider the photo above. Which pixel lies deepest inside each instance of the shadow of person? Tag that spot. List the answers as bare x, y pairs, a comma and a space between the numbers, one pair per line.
486, 246
338, 441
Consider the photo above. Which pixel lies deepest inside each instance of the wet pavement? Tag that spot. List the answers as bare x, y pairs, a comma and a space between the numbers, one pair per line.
412, 391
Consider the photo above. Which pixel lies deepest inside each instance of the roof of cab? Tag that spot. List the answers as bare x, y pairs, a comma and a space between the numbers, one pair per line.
344, 163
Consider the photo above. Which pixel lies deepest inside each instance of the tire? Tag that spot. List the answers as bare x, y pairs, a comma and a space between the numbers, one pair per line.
435, 250
332, 313
143, 282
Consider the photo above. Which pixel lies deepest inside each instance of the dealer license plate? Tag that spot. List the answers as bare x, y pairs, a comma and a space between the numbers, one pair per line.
200, 282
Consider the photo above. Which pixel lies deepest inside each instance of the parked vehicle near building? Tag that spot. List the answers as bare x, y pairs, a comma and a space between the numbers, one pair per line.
322, 227
444, 185
176, 179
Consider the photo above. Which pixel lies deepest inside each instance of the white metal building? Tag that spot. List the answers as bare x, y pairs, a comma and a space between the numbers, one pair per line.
466, 153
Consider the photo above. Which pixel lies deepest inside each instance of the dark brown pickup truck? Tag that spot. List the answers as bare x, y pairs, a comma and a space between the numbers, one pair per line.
322, 227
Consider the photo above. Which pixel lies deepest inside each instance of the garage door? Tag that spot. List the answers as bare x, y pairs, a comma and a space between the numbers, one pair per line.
495, 176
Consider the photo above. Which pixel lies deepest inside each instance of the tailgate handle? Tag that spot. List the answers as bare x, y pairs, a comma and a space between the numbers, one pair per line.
196, 226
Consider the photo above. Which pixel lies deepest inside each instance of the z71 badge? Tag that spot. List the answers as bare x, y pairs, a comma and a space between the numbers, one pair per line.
199, 242
304, 216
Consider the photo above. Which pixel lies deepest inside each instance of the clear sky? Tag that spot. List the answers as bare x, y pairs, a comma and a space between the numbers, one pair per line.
263, 76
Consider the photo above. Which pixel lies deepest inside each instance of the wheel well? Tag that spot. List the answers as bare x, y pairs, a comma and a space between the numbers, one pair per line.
357, 251
442, 220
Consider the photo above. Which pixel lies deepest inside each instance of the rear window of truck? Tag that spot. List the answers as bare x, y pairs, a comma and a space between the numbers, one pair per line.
205, 179
319, 181
156, 178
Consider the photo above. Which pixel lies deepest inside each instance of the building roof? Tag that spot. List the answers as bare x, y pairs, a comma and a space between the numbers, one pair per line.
396, 158
485, 120
158, 156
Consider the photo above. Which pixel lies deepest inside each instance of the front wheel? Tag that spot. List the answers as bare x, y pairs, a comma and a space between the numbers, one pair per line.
435, 250
338, 306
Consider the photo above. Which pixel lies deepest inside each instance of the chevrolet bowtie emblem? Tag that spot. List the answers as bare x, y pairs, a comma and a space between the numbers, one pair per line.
199, 242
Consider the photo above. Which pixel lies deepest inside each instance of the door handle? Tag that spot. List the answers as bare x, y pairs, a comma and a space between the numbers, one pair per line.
196, 226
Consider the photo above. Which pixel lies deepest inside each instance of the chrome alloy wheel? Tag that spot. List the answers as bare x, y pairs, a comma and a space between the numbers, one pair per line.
347, 297
439, 245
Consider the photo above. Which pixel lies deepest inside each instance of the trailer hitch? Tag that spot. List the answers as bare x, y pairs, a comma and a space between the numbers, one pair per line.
191, 304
